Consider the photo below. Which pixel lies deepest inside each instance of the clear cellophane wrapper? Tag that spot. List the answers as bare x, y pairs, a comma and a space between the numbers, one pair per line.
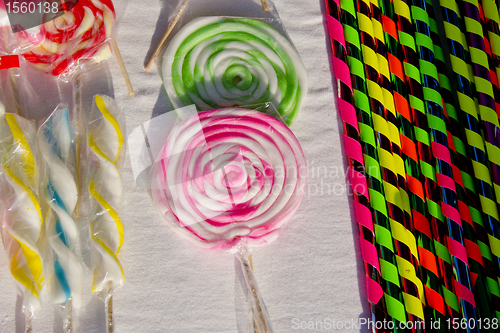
77, 39
248, 72
59, 196
206, 179
105, 153
22, 217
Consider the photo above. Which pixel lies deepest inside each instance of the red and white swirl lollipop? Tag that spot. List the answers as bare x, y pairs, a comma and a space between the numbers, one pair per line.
79, 36
229, 177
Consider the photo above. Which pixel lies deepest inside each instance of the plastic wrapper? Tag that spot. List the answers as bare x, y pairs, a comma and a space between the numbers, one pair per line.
229, 180
226, 54
56, 145
80, 37
106, 148
22, 217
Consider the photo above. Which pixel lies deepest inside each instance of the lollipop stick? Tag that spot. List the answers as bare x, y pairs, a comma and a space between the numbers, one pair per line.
261, 317
171, 27
122, 68
78, 107
108, 306
29, 321
68, 319
265, 6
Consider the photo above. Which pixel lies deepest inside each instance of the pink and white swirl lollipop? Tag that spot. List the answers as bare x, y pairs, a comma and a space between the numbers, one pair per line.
229, 176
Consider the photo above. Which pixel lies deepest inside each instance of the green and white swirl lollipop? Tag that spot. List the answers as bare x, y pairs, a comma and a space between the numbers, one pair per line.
219, 62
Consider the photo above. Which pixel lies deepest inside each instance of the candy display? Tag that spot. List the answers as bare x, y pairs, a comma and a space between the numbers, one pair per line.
106, 142
22, 223
218, 62
221, 178
80, 35
443, 117
55, 142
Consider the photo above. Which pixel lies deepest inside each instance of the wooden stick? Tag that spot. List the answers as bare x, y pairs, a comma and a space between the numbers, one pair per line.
265, 6
122, 68
171, 27
78, 110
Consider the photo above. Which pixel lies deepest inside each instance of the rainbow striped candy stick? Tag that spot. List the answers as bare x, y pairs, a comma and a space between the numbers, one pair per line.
392, 287
359, 186
408, 262
392, 168
401, 45
483, 230
22, 225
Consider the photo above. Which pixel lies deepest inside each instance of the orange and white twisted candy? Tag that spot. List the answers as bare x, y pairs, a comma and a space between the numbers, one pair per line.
79, 36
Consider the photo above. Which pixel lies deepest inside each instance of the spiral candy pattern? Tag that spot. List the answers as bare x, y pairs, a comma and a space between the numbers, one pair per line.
23, 225
79, 35
229, 176
106, 229
61, 195
219, 62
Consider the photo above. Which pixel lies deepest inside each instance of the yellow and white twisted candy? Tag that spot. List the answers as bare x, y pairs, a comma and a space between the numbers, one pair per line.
22, 225
106, 229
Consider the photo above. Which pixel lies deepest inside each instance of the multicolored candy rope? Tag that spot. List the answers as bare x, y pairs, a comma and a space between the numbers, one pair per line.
361, 85
408, 74
356, 171
401, 225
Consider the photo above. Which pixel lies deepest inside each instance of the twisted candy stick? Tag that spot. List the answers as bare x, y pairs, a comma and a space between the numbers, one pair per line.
106, 229
217, 62
389, 152
357, 170
362, 60
61, 194
81, 34
352, 138
220, 179
23, 224
361, 86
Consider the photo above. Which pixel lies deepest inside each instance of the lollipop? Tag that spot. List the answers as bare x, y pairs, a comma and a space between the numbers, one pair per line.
227, 179
219, 62
79, 35
106, 142
22, 223
61, 194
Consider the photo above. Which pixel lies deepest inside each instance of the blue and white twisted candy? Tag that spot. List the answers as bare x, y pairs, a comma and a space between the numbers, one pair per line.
61, 194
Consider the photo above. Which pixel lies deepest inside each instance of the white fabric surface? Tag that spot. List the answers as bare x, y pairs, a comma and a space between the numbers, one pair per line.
313, 272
